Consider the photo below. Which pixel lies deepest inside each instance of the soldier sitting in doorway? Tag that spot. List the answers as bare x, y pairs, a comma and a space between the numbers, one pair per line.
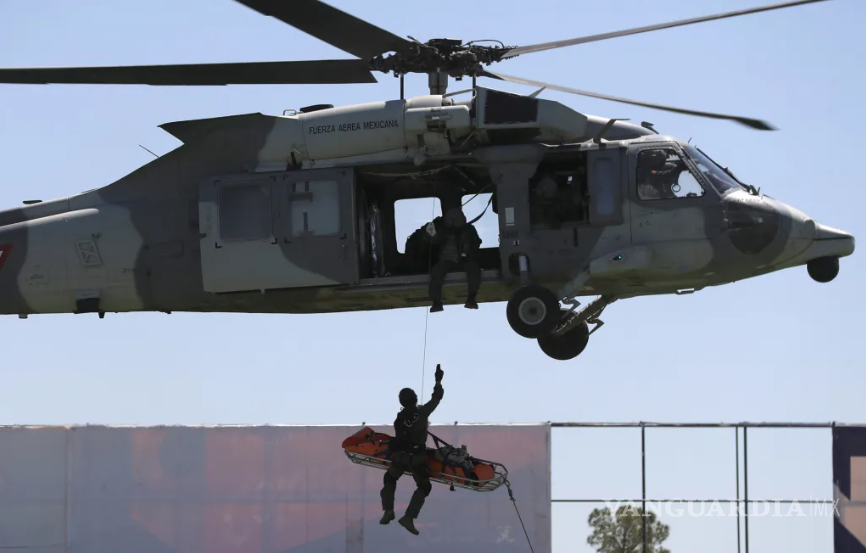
418, 258
456, 246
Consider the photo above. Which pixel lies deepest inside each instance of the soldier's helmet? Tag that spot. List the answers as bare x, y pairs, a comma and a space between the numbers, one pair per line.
657, 160
408, 397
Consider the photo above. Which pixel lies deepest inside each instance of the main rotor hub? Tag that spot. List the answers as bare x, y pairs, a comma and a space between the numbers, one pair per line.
445, 44
440, 55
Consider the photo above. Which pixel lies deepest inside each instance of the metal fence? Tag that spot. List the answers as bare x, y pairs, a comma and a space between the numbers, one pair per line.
742, 534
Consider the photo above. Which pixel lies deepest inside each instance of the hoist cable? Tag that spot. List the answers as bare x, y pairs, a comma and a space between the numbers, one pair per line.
424, 361
427, 311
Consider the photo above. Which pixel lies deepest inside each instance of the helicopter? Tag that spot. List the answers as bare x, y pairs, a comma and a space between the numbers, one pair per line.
294, 213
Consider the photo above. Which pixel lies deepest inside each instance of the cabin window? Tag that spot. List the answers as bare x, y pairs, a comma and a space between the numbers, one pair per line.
604, 185
662, 174
315, 208
412, 215
245, 213
558, 195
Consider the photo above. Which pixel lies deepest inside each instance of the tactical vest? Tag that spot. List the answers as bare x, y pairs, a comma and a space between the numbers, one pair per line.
410, 431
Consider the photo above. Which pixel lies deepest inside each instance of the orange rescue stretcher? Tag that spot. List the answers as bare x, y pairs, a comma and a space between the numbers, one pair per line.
446, 464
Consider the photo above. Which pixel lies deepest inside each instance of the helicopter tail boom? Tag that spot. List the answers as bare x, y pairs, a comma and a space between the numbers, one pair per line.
69, 260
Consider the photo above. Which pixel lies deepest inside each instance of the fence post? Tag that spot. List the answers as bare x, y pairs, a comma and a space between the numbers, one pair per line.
643, 480
737, 455
746, 481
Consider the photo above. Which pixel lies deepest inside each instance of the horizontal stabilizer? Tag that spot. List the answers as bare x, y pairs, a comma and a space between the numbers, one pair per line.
195, 129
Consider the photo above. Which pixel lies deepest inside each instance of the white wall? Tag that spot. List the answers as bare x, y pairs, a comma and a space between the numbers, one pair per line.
252, 490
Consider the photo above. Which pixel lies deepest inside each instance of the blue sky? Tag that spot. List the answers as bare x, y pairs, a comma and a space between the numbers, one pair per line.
780, 347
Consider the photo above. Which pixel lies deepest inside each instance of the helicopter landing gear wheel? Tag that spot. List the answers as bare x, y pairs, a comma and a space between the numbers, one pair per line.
565, 347
532, 311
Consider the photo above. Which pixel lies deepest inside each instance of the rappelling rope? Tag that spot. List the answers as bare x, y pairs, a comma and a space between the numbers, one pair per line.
427, 311
424, 361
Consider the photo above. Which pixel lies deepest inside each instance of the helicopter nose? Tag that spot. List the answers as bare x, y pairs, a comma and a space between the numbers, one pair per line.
817, 246
830, 242
809, 240
822, 257
836, 242
801, 232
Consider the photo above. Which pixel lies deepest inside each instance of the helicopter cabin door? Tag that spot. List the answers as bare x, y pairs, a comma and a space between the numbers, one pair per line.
605, 186
280, 230
669, 204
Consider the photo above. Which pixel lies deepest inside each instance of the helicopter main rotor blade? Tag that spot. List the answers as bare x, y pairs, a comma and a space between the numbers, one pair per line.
749, 122
328, 24
277, 72
520, 50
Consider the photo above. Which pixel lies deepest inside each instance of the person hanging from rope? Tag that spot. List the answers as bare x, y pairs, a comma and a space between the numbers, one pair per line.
457, 246
409, 452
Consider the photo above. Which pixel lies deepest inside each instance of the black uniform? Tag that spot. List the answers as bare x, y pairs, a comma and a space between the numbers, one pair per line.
409, 452
457, 248
419, 250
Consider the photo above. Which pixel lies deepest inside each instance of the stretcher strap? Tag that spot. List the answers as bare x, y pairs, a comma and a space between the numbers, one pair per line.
437, 440
445, 464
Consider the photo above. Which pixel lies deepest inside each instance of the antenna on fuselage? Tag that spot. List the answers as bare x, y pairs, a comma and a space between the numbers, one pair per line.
143, 148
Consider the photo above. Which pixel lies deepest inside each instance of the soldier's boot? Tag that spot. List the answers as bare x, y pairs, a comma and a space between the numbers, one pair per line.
437, 306
471, 303
387, 517
408, 523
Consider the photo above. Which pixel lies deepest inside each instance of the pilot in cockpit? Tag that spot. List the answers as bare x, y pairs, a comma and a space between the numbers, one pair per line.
657, 175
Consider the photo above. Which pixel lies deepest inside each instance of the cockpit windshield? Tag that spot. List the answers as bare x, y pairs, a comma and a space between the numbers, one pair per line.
717, 176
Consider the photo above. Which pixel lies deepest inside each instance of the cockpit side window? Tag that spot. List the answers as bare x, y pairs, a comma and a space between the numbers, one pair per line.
662, 174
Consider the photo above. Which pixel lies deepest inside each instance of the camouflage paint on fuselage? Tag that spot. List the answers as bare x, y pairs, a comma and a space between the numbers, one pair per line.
137, 243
